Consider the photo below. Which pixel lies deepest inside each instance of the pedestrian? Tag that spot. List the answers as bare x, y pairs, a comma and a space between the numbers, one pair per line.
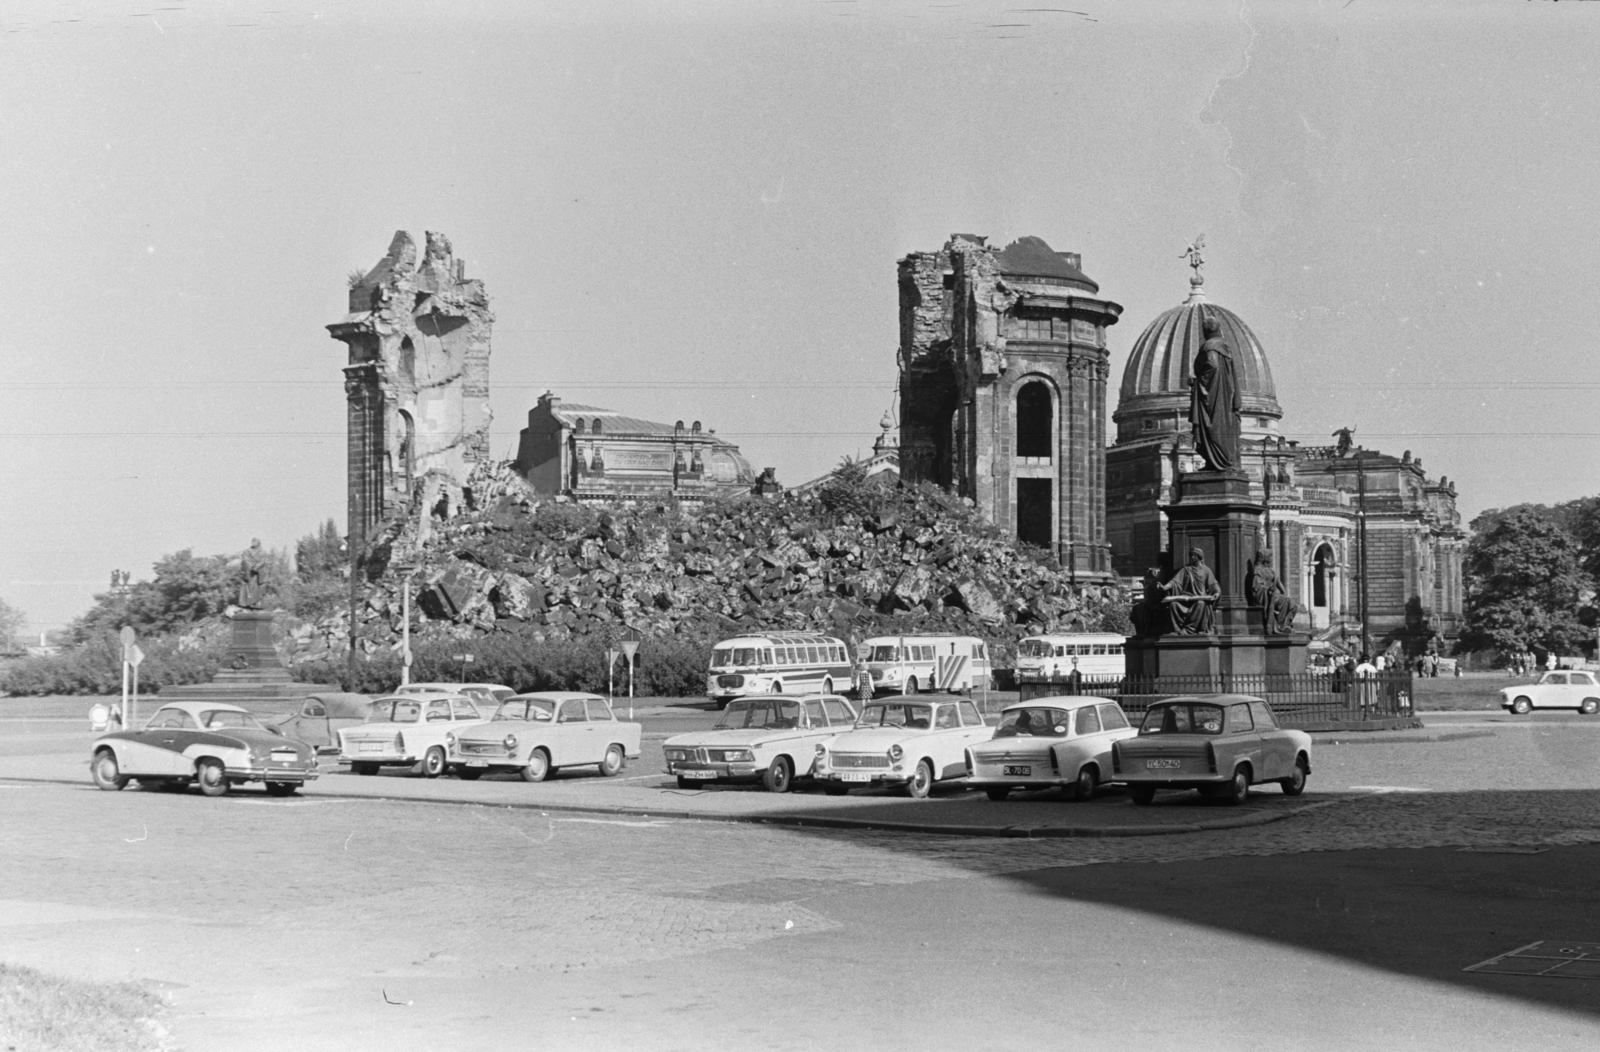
1367, 684
863, 677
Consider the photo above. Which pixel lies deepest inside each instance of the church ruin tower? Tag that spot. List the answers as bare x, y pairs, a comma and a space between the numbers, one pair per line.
417, 381
1003, 370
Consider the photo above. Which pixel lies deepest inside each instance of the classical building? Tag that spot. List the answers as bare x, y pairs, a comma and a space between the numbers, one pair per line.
1315, 498
417, 382
883, 465
1003, 369
600, 455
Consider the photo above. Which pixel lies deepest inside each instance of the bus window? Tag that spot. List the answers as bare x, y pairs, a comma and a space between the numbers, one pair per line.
810, 657
766, 657
780, 656
794, 655
977, 651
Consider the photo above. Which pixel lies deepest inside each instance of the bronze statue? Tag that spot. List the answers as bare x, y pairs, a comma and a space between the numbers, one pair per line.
1192, 596
252, 565
1343, 435
1266, 592
1214, 403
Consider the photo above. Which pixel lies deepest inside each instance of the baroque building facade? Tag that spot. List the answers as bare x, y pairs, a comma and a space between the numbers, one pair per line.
1003, 369
1319, 501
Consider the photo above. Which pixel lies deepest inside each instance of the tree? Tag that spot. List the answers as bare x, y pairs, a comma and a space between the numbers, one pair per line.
1525, 585
11, 622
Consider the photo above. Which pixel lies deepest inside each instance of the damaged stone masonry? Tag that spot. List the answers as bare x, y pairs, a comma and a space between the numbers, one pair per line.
417, 382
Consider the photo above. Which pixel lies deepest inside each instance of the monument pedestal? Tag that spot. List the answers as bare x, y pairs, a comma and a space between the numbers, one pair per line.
252, 674
1215, 513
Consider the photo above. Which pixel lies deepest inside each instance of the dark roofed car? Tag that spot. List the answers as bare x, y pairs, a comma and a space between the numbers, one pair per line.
1220, 744
321, 717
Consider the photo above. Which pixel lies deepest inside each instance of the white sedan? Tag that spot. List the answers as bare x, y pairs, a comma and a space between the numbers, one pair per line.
408, 732
1050, 742
534, 734
771, 738
899, 742
1555, 690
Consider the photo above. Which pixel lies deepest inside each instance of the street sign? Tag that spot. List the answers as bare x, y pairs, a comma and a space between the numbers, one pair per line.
128, 636
135, 656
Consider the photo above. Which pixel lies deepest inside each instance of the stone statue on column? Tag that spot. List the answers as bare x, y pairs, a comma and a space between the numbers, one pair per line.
252, 565
1214, 402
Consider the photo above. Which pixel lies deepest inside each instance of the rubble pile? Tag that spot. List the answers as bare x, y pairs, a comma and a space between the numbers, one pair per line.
879, 559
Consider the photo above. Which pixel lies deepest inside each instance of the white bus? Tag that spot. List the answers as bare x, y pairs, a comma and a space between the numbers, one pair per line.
1096, 655
909, 664
777, 663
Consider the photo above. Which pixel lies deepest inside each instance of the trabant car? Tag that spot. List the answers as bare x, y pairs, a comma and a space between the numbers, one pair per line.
1049, 742
490, 694
534, 734
409, 731
1220, 744
1555, 690
905, 743
206, 743
321, 717
771, 737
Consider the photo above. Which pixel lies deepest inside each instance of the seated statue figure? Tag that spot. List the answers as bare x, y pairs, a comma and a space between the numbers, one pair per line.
1192, 596
1266, 592
1149, 614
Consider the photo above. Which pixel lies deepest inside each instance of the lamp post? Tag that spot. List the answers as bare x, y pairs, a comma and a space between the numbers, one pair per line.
1361, 541
405, 572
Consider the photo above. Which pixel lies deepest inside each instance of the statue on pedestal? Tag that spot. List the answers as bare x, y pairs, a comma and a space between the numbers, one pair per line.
252, 565
1149, 614
1266, 592
1214, 402
1192, 596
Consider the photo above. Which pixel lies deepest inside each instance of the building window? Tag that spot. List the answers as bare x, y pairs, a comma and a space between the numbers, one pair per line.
1148, 425
1034, 512
1030, 328
1321, 575
1034, 412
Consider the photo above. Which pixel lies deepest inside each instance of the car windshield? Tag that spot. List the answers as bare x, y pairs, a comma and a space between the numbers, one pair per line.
884, 654
897, 714
1183, 718
760, 712
537, 710
1040, 723
228, 718
399, 711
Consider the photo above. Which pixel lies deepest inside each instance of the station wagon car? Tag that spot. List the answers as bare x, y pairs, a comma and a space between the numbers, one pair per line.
910, 744
535, 734
1220, 744
322, 716
1049, 742
409, 731
1555, 690
770, 737
206, 743
489, 694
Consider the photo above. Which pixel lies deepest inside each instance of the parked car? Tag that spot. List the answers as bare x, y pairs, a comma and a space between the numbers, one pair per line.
322, 716
900, 742
1219, 744
771, 738
490, 694
1555, 690
206, 743
1049, 742
409, 731
535, 734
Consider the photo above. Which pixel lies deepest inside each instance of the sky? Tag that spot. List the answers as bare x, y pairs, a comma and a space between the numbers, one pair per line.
693, 210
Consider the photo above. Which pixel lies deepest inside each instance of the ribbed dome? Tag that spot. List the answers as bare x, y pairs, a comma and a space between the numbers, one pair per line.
1156, 378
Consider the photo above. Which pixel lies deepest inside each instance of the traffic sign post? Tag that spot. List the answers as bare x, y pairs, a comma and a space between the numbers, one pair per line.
132, 658
464, 660
630, 648
611, 673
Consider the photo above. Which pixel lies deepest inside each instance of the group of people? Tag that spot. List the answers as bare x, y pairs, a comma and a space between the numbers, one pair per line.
1525, 663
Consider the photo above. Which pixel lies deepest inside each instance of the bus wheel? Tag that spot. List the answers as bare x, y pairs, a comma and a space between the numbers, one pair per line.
911, 685
777, 686
827, 685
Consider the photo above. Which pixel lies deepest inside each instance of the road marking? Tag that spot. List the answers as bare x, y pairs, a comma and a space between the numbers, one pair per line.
612, 822
1387, 789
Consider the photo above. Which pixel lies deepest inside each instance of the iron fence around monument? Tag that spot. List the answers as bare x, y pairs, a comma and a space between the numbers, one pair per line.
1295, 699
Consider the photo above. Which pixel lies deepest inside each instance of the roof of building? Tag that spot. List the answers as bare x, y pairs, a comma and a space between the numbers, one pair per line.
1032, 257
614, 423
1156, 377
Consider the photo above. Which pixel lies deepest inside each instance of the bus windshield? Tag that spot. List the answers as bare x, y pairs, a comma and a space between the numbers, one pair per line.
1033, 648
885, 654
734, 657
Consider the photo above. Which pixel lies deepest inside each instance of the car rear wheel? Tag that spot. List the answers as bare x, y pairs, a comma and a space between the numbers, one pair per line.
1238, 789
364, 768
1589, 706
1084, 787
212, 777
538, 766
105, 772
611, 763
779, 776
921, 783
281, 788
1142, 794
1522, 706
999, 792
433, 763
469, 774
1295, 784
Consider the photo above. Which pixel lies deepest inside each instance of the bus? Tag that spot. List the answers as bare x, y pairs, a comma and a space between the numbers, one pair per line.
1096, 655
777, 663
911, 664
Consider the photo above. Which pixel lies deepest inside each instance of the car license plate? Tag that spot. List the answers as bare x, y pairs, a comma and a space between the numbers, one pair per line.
284, 757
690, 773
1162, 765
852, 776
477, 763
369, 747
1017, 772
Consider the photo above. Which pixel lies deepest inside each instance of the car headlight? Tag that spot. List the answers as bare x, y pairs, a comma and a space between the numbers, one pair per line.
895, 752
511, 741
737, 756
822, 750
450, 739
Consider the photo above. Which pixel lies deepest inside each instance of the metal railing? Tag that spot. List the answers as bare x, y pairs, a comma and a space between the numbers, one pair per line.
1295, 699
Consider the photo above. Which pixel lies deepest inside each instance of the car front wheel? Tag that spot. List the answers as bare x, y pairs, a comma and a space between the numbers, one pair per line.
1589, 706
212, 778
778, 777
105, 772
1295, 784
1522, 706
433, 763
921, 783
538, 766
611, 763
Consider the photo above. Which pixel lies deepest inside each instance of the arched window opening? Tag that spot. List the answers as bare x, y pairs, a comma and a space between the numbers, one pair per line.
1321, 575
408, 363
1035, 409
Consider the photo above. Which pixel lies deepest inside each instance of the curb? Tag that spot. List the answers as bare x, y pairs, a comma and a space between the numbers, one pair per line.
822, 821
